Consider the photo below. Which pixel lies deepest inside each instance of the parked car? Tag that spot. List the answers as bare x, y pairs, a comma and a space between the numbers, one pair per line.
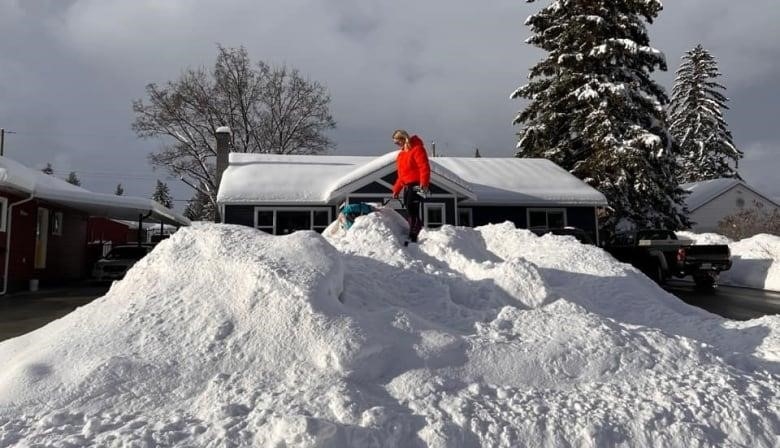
118, 261
660, 255
581, 235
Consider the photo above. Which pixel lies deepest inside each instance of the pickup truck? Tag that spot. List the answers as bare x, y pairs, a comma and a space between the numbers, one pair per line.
660, 255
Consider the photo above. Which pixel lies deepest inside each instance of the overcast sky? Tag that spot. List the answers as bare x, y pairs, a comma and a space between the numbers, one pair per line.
70, 69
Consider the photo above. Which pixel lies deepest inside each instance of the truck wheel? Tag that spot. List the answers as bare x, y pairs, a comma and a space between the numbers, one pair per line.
655, 273
704, 282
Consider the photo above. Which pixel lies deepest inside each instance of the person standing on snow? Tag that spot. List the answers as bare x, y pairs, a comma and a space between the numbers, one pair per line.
414, 175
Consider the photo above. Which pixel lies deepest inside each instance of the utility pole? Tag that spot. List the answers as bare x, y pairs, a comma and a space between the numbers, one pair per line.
2, 140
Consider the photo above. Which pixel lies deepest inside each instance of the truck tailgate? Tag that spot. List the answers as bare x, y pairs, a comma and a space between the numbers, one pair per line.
708, 253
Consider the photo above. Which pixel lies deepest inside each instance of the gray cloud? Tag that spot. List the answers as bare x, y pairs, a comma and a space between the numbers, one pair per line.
444, 69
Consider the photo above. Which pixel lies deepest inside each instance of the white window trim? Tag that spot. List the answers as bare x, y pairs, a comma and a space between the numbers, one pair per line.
431, 205
470, 212
547, 217
3, 214
311, 211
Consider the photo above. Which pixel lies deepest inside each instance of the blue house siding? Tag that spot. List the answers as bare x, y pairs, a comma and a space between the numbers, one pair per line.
245, 214
582, 217
373, 187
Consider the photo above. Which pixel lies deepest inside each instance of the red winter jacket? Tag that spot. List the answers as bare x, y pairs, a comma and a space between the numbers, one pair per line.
412, 166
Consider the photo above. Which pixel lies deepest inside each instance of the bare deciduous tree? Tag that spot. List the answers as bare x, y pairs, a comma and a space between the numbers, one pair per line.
268, 109
750, 222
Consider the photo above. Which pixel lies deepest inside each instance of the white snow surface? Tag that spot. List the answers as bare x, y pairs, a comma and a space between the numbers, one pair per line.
755, 260
226, 336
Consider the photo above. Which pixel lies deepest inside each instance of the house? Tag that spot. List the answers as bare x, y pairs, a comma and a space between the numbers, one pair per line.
710, 201
283, 193
43, 224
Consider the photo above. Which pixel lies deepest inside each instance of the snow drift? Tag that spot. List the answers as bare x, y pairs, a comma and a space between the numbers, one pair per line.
226, 336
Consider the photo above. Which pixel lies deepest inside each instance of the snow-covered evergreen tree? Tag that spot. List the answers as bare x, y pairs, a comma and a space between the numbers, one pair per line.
162, 194
119, 190
73, 178
705, 146
595, 111
200, 208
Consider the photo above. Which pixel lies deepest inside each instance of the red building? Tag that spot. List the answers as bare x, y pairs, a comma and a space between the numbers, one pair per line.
44, 225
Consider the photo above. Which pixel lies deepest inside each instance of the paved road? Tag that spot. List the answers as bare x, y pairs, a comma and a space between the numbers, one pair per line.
22, 313
730, 302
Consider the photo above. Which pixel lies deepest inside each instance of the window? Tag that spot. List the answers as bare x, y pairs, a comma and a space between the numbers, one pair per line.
320, 220
433, 215
283, 221
3, 213
465, 217
265, 221
546, 218
56, 224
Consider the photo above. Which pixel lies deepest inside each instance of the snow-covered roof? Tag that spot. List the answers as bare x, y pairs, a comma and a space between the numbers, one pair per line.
703, 192
14, 175
511, 180
269, 178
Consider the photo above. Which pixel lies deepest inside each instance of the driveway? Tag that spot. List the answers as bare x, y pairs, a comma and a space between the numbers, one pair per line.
728, 301
21, 313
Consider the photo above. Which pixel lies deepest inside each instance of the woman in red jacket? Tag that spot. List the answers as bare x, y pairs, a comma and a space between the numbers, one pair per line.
414, 175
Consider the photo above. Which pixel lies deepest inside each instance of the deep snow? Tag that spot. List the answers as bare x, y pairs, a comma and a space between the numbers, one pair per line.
226, 336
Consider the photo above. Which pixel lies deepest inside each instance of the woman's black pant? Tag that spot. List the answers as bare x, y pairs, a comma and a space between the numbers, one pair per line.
412, 201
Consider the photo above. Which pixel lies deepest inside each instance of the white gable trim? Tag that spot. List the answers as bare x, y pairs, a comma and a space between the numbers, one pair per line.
726, 190
377, 175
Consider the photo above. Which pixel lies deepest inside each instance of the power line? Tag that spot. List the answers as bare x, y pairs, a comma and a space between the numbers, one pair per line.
118, 176
69, 134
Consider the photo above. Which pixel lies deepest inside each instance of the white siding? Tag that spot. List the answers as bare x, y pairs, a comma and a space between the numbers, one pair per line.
728, 203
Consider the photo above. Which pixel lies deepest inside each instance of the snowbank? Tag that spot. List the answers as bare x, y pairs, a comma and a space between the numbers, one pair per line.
755, 260
225, 336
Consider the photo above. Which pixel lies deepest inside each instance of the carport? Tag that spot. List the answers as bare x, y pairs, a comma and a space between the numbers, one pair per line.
39, 210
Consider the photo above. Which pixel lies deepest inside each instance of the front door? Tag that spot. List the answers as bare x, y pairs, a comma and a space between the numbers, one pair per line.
41, 238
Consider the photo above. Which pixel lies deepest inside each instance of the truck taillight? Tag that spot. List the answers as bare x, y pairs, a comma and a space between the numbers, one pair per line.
681, 255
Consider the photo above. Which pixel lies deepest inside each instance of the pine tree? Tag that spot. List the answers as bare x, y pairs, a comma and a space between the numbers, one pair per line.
162, 194
476, 153
595, 111
73, 179
48, 170
200, 208
705, 145
119, 190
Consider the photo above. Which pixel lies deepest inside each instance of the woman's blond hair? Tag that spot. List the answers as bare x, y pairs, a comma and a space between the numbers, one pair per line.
402, 134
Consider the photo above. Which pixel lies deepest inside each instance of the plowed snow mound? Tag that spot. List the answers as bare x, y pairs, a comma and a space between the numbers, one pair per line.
226, 336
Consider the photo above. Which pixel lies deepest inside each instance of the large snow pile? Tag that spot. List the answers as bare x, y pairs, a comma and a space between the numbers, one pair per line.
226, 336
755, 260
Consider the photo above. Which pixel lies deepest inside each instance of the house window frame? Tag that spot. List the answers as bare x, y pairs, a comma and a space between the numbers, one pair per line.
56, 223
547, 210
470, 212
3, 213
275, 210
434, 205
